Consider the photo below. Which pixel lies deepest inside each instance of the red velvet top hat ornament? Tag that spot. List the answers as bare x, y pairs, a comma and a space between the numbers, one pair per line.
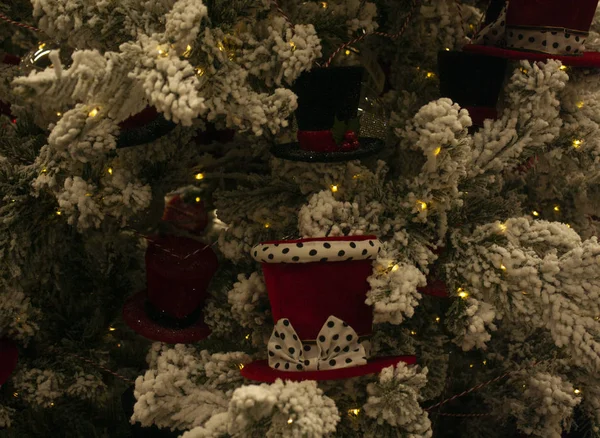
327, 116
317, 289
473, 81
537, 30
143, 127
9, 355
178, 273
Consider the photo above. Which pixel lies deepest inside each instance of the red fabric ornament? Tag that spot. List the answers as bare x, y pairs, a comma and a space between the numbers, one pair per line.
178, 272
588, 59
308, 293
261, 372
309, 280
559, 14
317, 141
9, 355
546, 29
191, 216
136, 317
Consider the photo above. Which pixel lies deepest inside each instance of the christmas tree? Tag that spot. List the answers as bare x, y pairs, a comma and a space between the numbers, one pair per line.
292, 218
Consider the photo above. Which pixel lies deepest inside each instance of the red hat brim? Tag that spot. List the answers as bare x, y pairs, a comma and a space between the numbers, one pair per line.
260, 370
587, 60
9, 356
135, 316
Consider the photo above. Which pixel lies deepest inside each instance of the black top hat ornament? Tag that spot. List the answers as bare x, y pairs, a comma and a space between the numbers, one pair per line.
327, 117
473, 81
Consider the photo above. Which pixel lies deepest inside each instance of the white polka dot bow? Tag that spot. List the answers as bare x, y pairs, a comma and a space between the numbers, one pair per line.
336, 346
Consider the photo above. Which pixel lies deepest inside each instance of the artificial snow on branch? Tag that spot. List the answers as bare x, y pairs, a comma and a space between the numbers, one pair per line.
395, 397
283, 409
185, 387
536, 272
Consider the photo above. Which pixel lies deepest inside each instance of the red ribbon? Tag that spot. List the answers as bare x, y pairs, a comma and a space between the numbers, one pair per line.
317, 141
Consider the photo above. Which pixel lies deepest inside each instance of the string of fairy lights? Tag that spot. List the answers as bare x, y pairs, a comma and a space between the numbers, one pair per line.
347, 50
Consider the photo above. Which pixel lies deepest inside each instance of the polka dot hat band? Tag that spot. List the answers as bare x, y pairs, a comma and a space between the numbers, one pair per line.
316, 251
522, 31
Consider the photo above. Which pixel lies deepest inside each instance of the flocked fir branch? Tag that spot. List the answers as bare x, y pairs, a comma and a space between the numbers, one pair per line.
470, 209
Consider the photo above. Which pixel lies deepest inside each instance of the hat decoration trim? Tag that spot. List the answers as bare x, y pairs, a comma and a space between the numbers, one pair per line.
317, 250
541, 39
547, 40
337, 346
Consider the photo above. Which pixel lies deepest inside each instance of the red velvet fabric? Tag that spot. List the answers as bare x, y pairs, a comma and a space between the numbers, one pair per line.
573, 15
9, 355
135, 316
317, 141
308, 293
145, 116
587, 60
178, 272
479, 114
436, 288
261, 372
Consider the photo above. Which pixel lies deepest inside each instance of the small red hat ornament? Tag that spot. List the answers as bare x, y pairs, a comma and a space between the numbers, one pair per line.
178, 273
317, 290
9, 355
537, 30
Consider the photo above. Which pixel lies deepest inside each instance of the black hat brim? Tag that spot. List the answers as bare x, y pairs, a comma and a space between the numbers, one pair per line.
292, 151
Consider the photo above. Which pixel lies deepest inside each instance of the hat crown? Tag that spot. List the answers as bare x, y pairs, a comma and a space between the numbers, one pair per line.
178, 272
573, 15
307, 292
325, 94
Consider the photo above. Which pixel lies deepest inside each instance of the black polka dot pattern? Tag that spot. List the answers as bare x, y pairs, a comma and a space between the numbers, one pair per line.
322, 250
554, 43
546, 40
494, 32
337, 346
